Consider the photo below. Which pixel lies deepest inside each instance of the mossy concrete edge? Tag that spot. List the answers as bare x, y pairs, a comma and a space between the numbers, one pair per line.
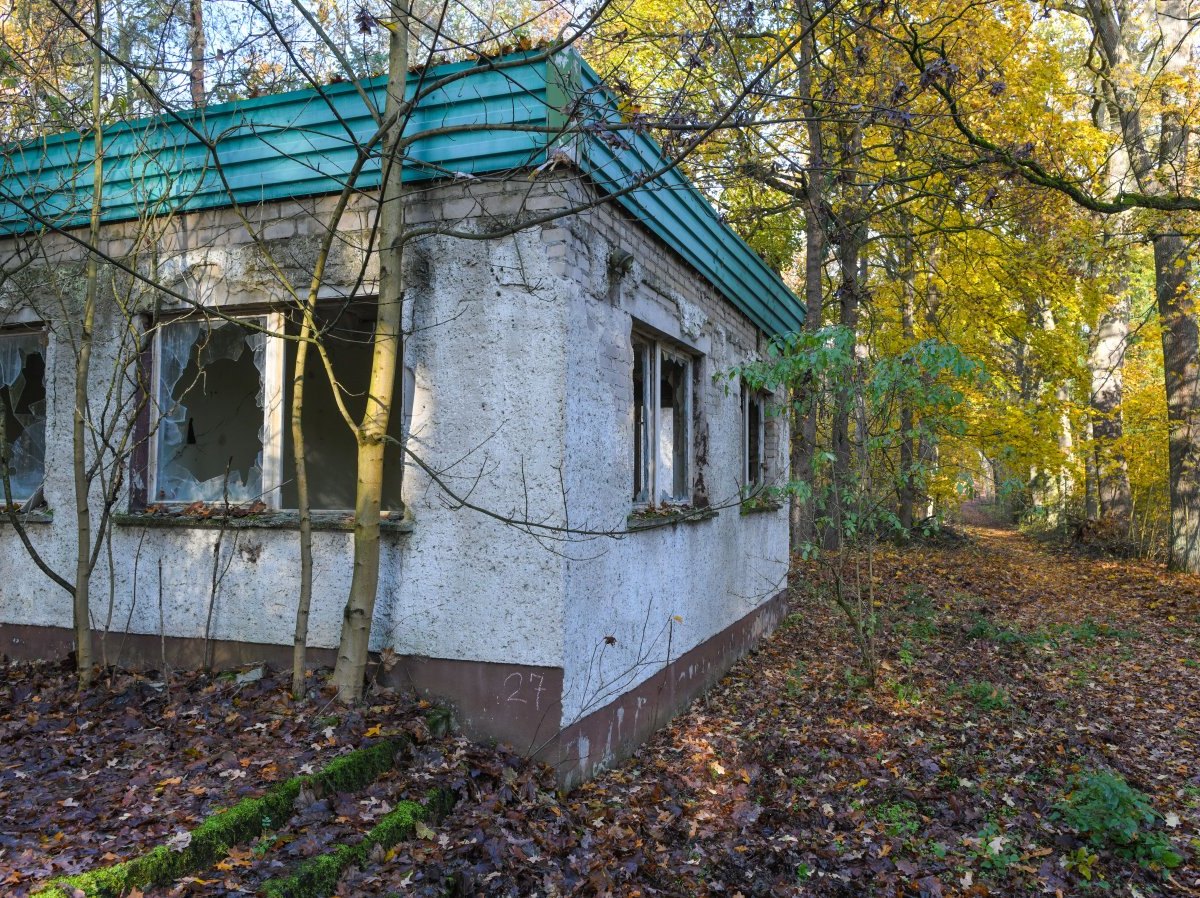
224, 828
318, 876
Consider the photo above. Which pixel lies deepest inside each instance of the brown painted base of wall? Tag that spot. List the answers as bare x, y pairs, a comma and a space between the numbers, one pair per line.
518, 704
611, 734
141, 651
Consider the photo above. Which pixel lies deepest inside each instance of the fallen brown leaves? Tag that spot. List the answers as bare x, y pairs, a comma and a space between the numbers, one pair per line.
95, 778
1008, 668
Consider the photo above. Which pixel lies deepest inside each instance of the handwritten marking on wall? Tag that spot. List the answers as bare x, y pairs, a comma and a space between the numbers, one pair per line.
519, 687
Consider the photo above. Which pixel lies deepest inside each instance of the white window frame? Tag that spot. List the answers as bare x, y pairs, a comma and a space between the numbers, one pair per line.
754, 470
273, 410
653, 352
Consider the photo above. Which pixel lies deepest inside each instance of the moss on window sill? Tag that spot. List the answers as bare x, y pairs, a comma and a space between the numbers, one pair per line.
654, 518
760, 504
41, 516
396, 522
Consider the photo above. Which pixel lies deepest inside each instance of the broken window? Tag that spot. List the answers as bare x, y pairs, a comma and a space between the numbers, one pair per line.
219, 412
224, 395
22, 412
662, 400
331, 448
754, 432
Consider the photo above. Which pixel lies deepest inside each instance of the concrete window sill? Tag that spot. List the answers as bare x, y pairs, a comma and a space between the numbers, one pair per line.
268, 520
32, 517
759, 506
641, 520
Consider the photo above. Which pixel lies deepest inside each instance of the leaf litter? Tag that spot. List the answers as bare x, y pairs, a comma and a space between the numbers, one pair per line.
1010, 670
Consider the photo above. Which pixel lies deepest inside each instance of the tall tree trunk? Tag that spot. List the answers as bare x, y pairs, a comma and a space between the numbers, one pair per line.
908, 472
81, 604
351, 664
1113, 496
196, 47
804, 423
1181, 349
849, 257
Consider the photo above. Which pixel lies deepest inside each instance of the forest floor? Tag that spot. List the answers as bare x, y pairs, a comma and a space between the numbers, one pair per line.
1034, 730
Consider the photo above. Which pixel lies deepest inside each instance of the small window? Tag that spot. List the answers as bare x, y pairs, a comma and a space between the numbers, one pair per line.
754, 432
662, 414
219, 411
22, 412
331, 449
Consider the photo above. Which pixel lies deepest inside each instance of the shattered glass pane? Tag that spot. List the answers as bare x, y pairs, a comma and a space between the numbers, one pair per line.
330, 447
210, 402
673, 430
642, 427
23, 404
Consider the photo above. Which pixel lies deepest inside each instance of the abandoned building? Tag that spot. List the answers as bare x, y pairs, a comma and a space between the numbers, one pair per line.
570, 302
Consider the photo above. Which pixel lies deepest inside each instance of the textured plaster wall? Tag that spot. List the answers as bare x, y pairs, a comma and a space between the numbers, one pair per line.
520, 355
488, 357
659, 592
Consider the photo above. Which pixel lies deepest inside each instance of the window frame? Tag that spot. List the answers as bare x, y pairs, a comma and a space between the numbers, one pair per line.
754, 483
272, 386
647, 436
40, 333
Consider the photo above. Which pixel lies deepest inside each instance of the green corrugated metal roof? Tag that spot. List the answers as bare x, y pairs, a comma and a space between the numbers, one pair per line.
303, 143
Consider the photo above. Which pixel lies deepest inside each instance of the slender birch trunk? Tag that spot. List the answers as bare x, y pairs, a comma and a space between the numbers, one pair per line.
351, 663
81, 611
299, 452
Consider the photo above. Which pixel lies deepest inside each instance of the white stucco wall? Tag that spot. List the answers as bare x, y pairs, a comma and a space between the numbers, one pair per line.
489, 359
658, 592
520, 353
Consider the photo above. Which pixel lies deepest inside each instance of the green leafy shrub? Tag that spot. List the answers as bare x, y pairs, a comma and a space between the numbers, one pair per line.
1111, 814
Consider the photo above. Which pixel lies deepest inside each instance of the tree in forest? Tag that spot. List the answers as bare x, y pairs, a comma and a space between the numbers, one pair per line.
1137, 64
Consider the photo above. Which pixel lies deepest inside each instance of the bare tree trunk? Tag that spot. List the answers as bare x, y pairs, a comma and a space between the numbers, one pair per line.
300, 641
196, 48
81, 610
908, 473
1106, 360
1181, 343
849, 257
804, 425
350, 668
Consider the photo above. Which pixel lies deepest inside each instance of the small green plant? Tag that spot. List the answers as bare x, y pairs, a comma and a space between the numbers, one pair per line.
899, 818
985, 696
792, 622
855, 682
993, 850
1089, 630
906, 656
918, 615
1109, 813
985, 628
794, 683
1082, 862
905, 693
